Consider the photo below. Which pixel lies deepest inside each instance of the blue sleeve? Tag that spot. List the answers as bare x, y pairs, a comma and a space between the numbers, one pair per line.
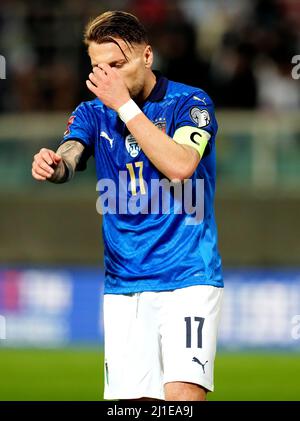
197, 110
81, 127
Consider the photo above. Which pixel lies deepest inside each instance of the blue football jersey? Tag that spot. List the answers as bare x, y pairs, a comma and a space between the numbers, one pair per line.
157, 236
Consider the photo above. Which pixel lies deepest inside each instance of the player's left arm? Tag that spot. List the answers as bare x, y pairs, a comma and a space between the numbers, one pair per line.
176, 160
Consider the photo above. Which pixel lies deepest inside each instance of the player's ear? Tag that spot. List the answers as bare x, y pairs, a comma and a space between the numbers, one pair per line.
148, 56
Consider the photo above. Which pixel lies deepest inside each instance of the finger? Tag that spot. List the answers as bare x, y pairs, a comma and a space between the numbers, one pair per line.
114, 72
91, 87
100, 66
40, 162
37, 176
106, 68
99, 73
39, 171
56, 158
45, 154
42, 168
94, 79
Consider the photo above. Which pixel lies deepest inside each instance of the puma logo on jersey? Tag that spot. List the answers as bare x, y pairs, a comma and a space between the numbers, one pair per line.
105, 135
199, 99
195, 360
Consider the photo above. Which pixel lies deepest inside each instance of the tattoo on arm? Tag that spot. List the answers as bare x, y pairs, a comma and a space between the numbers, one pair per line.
70, 152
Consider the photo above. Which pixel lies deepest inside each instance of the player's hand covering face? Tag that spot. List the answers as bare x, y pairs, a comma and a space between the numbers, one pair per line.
119, 71
107, 84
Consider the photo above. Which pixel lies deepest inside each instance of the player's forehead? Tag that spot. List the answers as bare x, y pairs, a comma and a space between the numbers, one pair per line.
109, 52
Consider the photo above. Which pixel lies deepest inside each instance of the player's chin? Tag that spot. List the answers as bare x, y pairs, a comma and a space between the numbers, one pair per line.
135, 92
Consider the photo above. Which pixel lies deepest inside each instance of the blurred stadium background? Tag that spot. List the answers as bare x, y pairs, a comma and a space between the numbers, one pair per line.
51, 255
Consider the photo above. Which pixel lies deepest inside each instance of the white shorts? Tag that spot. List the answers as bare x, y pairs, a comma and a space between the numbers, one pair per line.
153, 338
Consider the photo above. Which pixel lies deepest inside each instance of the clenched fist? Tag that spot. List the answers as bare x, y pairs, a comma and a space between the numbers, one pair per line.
44, 164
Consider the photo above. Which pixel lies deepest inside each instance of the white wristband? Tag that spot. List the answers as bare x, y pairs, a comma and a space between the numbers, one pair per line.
128, 111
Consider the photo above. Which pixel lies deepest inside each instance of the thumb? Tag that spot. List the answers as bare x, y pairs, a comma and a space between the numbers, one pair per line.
56, 158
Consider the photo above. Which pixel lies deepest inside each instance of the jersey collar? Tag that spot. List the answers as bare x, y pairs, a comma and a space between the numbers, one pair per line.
160, 88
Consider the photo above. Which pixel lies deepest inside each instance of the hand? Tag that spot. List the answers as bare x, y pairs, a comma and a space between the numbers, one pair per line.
44, 164
107, 84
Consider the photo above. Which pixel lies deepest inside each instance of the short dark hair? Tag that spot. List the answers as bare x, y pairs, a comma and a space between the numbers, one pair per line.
115, 24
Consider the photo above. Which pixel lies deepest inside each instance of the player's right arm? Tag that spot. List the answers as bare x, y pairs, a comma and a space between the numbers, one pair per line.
59, 166
74, 151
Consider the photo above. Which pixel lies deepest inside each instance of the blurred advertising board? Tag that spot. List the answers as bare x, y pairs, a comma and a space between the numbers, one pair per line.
261, 308
46, 307
60, 307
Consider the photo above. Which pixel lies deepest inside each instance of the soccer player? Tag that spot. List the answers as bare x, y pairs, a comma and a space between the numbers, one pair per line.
163, 278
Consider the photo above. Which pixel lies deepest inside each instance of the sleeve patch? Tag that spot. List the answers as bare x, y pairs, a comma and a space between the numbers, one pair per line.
70, 121
200, 117
192, 136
